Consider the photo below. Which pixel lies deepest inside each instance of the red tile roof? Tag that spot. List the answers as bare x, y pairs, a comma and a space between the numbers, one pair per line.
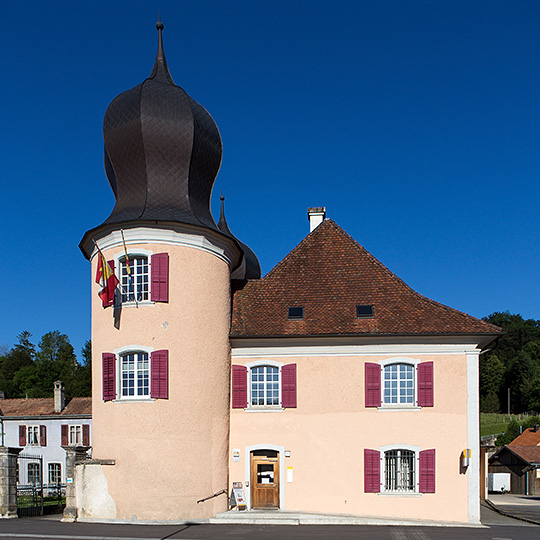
328, 274
44, 407
527, 438
530, 454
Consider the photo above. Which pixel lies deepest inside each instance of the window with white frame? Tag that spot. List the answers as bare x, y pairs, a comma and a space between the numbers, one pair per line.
399, 470
55, 473
75, 435
134, 375
34, 473
32, 435
134, 279
398, 384
265, 385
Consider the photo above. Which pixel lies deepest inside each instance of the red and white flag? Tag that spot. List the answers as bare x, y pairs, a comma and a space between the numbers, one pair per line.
106, 279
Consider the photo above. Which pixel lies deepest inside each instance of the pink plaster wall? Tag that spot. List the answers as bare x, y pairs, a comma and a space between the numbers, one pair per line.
169, 453
330, 429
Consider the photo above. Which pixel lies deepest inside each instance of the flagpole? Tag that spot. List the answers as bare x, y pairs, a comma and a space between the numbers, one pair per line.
128, 268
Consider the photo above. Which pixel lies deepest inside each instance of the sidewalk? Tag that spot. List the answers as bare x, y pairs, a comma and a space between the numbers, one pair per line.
524, 507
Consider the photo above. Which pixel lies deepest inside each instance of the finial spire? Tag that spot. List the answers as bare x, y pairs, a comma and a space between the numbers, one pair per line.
222, 223
160, 66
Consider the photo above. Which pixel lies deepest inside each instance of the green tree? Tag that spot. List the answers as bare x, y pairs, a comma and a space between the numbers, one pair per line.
83, 375
21, 356
512, 431
491, 375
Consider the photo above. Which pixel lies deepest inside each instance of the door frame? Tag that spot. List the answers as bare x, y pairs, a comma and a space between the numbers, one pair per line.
247, 471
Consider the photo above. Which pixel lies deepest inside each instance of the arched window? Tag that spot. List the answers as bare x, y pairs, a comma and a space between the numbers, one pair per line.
399, 470
398, 384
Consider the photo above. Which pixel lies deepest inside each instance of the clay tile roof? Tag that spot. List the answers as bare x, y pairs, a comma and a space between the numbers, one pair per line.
328, 274
44, 407
527, 438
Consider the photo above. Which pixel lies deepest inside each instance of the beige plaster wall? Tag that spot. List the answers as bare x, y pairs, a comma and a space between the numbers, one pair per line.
169, 453
330, 429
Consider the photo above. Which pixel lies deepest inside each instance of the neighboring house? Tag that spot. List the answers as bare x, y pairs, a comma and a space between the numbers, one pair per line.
520, 458
327, 386
41, 426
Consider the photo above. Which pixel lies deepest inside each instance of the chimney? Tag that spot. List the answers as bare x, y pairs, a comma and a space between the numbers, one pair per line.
536, 427
316, 216
59, 397
2, 394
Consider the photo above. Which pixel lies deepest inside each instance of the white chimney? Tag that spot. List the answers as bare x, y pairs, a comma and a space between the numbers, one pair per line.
316, 216
59, 397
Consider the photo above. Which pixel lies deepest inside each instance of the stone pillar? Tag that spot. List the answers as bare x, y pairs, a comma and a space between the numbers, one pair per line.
74, 455
8, 481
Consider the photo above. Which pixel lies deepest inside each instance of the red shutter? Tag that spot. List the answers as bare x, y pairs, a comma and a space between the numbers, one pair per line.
288, 386
104, 302
425, 384
372, 385
109, 378
64, 433
22, 435
239, 387
86, 435
372, 471
427, 471
159, 376
43, 435
159, 268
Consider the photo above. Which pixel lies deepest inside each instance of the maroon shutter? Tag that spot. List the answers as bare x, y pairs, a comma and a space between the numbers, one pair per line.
372, 471
239, 387
109, 379
159, 268
425, 384
111, 302
43, 435
288, 386
64, 434
22, 435
159, 376
86, 435
372, 385
427, 471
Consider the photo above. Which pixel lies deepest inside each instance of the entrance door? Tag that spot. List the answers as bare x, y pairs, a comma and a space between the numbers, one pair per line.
265, 479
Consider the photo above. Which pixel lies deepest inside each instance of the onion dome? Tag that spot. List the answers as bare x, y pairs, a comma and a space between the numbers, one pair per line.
249, 267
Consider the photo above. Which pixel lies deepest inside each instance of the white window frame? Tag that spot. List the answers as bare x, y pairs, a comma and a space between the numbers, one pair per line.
34, 465
123, 351
71, 441
260, 364
57, 472
416, 481
32, 436
119, 258
400, 406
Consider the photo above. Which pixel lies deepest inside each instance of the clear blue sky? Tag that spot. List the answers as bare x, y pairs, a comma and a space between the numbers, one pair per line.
416, 123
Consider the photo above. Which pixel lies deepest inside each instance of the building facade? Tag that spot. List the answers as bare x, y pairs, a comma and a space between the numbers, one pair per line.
326, 386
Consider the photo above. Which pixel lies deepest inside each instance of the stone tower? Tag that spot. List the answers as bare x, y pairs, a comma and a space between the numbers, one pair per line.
160, 346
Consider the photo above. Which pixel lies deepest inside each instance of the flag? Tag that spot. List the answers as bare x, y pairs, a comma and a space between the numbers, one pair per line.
106, 279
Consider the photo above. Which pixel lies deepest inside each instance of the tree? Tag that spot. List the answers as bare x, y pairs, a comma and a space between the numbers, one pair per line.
21, 356
83, 379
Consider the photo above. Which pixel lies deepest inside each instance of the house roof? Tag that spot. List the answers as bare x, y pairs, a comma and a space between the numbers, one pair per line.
44, 407
527, 438
528, 454
329, 274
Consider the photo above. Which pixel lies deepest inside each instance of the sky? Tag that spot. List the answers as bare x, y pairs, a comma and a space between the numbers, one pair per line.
415, 123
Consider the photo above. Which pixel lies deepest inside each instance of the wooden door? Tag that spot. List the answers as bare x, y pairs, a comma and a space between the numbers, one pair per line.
265, 479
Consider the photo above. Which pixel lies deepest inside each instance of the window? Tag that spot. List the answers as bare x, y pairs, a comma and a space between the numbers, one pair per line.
34, 473
134, 279
134, 370
266, 385
32, 436
147, 280
141, 374
55, 473
399, 383
296, 312
364, 311
399, 470
75, 435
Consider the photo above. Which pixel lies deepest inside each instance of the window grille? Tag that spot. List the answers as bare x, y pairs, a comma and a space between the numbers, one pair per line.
134, 369
399, 383
135, 287
399, 470
265, 385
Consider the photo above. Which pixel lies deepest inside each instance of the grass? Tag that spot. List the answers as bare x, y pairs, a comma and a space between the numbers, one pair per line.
494, 423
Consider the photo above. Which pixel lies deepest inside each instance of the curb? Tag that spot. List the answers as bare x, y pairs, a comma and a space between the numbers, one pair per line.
503, 513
